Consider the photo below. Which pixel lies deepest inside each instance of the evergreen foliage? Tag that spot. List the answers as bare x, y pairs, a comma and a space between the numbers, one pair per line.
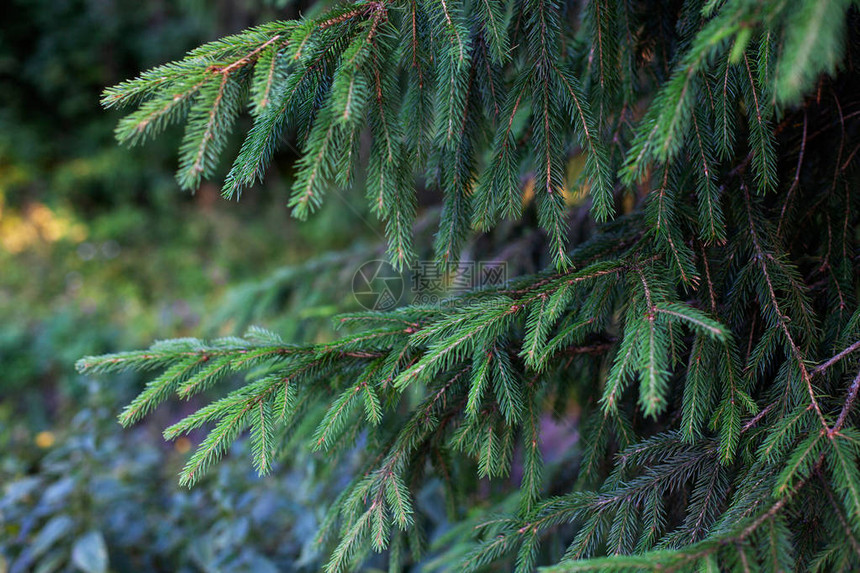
706, 325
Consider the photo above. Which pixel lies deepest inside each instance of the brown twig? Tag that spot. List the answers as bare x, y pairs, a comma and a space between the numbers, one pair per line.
822, 367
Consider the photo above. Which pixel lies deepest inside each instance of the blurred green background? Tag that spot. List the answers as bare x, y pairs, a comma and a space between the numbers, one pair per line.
99, 252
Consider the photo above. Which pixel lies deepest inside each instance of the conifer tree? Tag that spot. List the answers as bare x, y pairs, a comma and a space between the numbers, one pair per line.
704, 318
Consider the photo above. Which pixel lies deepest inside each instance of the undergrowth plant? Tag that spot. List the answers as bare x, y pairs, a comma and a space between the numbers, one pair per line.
702, 323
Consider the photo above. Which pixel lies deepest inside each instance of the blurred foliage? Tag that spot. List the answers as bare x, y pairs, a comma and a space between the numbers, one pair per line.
99, 250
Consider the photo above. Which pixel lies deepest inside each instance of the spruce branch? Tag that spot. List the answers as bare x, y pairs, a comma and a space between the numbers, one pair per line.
678, 322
